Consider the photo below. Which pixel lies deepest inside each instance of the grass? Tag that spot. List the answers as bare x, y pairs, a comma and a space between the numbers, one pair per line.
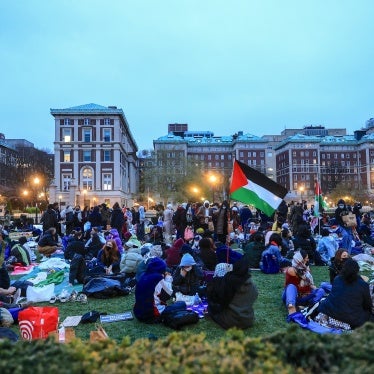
269, 311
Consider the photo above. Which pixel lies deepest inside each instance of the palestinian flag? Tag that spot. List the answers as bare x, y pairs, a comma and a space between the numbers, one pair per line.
252, 187
319, 203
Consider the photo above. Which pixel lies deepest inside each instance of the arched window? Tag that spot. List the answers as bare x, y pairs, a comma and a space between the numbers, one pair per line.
87, 178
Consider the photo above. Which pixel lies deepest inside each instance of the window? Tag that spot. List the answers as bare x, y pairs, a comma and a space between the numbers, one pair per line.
87, 181
67, 121
106, 121
86, 121
229, 157
209, 157
66, 179
87, 135
254, 154
241, 154
262, 154
106, 135
66, 135
86, 156
107, 182
67, 156
249, 154
222, 157
107, 155
216, 157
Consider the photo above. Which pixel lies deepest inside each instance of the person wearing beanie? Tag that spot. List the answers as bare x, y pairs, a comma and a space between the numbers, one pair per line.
187, 276
20, 253
173, 254
152, 291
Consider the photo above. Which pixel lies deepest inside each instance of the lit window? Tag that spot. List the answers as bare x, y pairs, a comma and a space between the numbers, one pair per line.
66, 135
107, 182
87, 179
66, 178
66, 156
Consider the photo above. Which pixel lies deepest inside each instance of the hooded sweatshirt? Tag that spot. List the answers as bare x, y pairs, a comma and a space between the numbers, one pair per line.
145, 309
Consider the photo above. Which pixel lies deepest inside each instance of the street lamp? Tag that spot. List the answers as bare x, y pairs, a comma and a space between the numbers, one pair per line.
36, 184
301, 189
213, 181
59, 201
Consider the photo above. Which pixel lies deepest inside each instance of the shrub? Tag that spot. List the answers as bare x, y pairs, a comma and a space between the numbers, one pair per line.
293, 351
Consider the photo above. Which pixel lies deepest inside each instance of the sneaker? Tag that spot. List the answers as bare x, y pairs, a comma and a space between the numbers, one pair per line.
25, 304
82, 298
17, 296
64, 296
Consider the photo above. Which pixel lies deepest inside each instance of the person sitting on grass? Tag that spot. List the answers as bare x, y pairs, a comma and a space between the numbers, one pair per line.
337, 263
231, 297
299, 285
130, 260
349, 300
152, 291
109, 258
49, 243
187, 276
253, 250
20, 253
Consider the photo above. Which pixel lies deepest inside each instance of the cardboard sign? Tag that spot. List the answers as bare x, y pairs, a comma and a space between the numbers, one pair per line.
116, 317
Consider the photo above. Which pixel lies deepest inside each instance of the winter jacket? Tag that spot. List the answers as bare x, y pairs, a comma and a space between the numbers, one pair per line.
253, 251
117, 219
327, 246
130, 260
239, 313
49, 219
350, 303
189, 284
173, 254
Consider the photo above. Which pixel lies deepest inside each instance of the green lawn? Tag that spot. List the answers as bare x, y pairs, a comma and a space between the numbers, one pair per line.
269, 311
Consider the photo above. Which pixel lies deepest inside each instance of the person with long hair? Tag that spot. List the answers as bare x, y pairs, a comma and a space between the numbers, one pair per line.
231, 297
349, 300
337, 263
109, 257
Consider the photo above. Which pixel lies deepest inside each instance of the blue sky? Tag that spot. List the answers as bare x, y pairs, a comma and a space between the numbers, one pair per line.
224, 66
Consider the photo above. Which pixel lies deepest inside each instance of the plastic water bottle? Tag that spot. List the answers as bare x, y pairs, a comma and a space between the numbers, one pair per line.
197, 299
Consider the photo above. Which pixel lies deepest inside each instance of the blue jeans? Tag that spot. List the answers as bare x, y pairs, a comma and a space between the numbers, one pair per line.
290, 297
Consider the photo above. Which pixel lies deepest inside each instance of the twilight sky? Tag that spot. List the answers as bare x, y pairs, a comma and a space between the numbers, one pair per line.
257, 66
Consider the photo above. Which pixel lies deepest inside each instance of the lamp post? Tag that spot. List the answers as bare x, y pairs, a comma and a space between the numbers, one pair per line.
59, 201
36, 184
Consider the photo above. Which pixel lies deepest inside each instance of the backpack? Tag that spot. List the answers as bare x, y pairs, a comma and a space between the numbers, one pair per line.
176, 319
269, 264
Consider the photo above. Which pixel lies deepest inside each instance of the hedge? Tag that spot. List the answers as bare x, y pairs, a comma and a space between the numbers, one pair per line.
293, 351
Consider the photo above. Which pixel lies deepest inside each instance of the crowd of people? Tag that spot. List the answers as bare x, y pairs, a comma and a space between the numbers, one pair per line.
205, 250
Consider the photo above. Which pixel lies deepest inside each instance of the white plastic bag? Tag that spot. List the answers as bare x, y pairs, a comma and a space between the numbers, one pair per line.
40, 294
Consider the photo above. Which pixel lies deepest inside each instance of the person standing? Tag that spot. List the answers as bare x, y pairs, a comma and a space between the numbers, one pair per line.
49, 218
117, 219
168, 223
